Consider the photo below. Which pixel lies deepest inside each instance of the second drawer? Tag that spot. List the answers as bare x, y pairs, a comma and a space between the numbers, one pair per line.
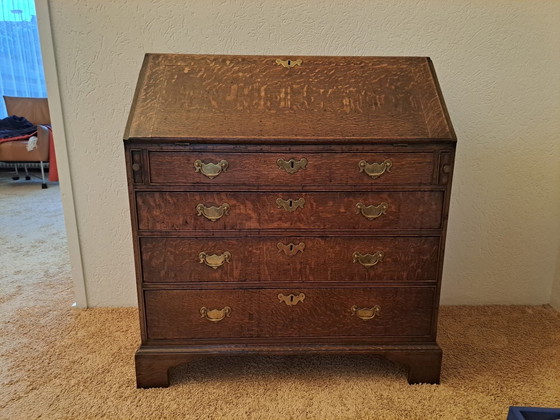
286, 259
182, 210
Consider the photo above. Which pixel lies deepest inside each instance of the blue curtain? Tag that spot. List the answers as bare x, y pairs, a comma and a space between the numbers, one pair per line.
21, 65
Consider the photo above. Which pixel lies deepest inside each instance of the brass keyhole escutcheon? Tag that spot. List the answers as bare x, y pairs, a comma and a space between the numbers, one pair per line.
290, 249
292, 166
288, 63
290, 204
291, 300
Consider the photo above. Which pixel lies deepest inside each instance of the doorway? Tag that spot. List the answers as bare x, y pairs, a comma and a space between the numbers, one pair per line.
32, 18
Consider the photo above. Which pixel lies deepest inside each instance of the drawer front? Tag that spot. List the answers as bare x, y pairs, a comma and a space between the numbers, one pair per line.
297, 259
261, 313
288, 210
296, 168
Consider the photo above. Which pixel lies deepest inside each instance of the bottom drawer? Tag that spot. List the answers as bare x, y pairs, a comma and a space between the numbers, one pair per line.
299, 312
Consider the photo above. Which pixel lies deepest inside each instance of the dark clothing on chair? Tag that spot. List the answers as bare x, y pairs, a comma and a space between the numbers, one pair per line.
15, 126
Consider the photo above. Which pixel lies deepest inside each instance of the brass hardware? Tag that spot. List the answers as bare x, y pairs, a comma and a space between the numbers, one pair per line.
215, 315
211, 170
212, 213
372, 212
445, 169
368, 260
214, 261
366, 313
290, 205
288, 63
375, 170
292, 166
291, 300
135, 167
290, 249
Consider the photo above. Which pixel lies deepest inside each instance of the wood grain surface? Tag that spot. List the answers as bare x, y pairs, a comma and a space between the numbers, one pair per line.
176, 260
405, 311
335, 210
321, 168
193, 97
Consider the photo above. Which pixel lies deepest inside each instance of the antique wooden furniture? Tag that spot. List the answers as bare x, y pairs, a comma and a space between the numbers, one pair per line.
288, 205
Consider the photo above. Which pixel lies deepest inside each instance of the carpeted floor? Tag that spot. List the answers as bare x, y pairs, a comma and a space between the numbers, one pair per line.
60, 363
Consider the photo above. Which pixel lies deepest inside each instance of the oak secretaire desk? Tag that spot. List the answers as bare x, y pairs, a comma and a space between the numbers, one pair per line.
286, 205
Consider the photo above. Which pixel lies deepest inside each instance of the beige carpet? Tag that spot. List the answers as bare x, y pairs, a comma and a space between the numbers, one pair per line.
61, 363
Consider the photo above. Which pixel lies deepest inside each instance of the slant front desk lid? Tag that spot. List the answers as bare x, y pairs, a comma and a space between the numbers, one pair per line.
241, 99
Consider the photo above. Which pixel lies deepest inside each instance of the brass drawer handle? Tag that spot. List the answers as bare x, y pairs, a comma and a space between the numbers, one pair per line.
290, 205
292, 166
211, 170
212, 213
290, 249
368, 260
215, 315
372, 212
291, 300
288, 63
375, 170
214, 261
366, 313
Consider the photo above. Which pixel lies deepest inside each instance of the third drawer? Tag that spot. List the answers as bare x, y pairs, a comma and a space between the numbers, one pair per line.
287, 259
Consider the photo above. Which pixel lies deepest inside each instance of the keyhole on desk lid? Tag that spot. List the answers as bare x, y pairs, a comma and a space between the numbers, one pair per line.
289, 62
292, 164
292, 297
291, 247
291, 203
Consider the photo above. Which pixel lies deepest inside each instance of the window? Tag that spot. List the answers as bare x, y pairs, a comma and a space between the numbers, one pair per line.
21, 65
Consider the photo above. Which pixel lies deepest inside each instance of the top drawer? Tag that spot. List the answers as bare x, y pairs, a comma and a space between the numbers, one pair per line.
294, 168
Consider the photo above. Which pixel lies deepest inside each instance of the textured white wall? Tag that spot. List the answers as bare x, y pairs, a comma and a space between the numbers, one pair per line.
497, 64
